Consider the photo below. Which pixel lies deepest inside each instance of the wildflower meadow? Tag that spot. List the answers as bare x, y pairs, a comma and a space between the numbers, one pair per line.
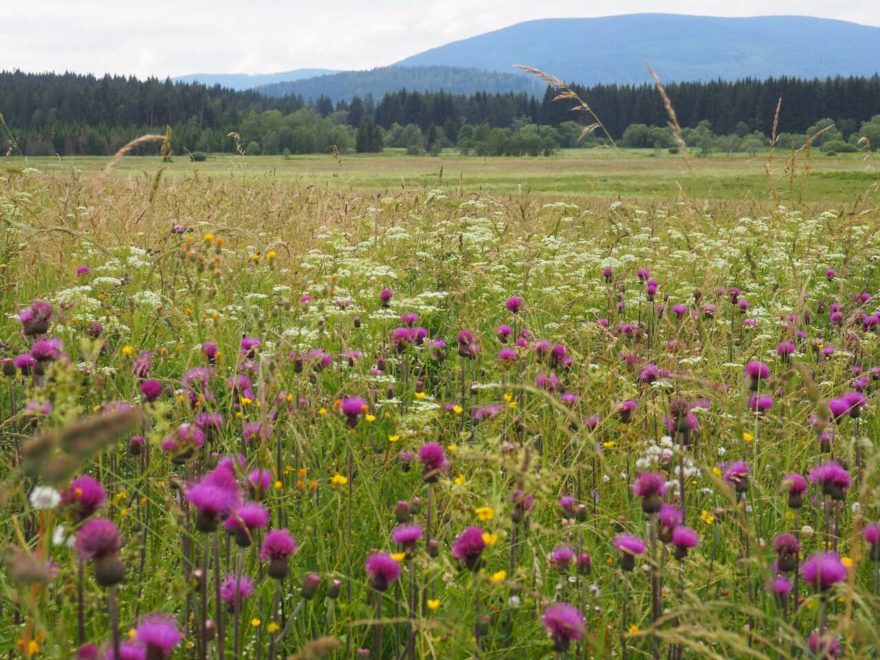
250, 417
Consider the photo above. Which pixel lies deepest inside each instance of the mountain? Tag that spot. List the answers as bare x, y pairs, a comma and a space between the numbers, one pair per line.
378, 82
241, 81
614, 49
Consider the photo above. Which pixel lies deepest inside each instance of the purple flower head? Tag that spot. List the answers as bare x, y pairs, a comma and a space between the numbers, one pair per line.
278, 546
35, 319
547, 381
651, 487
47, 350
383, 570
488, 411
625, 410
209, 350
796, 486
212, 502
839, 408
823, 570
159, 634
503, 333
468, 347
507, 356
562, 557
856, 401
406, 536
469, 546
684, 538
409, 319
629, 544
241, 386
352, 407
98, 538
564, 623
567, 503
649, 373
84, 496
760, 403
669, 516
756, 372
209, 421
244, 519
234, 590
513, 304
835, 480
151, 389
185, 439
385, 296
785, 348
143, 365
786, 546
82, 270
643, 274
259, 481
130, 650
737, 475
871, 533
248, 346
433, 458
607, 273
679, 310
824, 645
780, 587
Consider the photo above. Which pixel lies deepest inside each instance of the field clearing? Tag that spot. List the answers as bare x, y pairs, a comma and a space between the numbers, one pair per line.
585, 174
465, 403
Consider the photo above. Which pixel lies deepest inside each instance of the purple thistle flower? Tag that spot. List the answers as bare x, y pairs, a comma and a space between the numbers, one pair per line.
143, 365
760, 403
258, 482
679, 310
151, 389
35, 319
97, 538
564, 623
84, 496
234, 590
159, 634
209, 350
643, 273
469, 546
651, 487
625, 410
507, 356
832, 477
383, 570
249, 346
737, 475
433, 458
209, 421
649, 373
352, 407
856, 401
468, 347
787, 549
779, 587
839, 408
756, 372
785, 349
184, 440
562, 557
669, 518
503, 333
277, 547
407, 536
871, 534
823, 570
629, 546
684, 538
47, 350
547, 381
212, 502
607, 273
513, 304
385, 296
824, 645
82, 271
796, 486
25, 363
245, 519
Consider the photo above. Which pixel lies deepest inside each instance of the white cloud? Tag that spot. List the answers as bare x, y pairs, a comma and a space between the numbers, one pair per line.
174, 37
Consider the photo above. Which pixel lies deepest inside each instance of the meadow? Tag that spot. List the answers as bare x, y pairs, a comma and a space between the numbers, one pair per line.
605, 404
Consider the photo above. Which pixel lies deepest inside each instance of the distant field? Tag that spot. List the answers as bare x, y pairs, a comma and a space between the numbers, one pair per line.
597, 174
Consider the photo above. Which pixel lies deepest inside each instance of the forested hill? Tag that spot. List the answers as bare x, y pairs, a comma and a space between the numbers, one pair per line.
345, 85
72, 114
614, 49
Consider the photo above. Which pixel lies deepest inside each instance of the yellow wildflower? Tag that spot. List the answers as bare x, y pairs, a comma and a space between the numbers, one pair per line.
128, 350
393, 438
609, 444
748, 437
459, 480
433, 603
270, 255
208, 238
273, 628
457, 409
490, 539
633, 629
484, 513
707, 517
278, 485
498, 576
338, 480
255, 622
370, 418
398, 556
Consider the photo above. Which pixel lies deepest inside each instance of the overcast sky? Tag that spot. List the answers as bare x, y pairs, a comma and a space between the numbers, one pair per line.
175, 37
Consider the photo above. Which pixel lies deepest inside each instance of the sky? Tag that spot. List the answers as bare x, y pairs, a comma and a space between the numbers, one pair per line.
175, 37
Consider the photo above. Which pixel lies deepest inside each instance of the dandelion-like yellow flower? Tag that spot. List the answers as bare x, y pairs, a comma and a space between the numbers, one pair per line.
420, 395
452, 447
338, 480
508, 397
255, 622
498, 576
847, 561
273, 628
484, 513
277, 485
398, 556
716, 471
433, 603
271, 255
459, 480
707, 517
208, 238
128, 350
457, 409
322, 412
393, 438
633, 629
748, 437
610, 444
370, 418
490, 539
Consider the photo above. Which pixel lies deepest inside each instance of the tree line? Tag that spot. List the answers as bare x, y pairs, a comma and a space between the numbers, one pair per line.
70, 114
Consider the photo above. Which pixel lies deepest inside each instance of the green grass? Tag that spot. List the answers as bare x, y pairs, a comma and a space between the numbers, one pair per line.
260, 233
580, 173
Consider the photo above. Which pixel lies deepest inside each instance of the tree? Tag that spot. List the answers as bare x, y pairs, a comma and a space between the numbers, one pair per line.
369, 137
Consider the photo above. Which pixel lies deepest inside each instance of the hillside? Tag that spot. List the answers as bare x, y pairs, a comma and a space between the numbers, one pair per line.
345, 85
615, 49
242, 81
